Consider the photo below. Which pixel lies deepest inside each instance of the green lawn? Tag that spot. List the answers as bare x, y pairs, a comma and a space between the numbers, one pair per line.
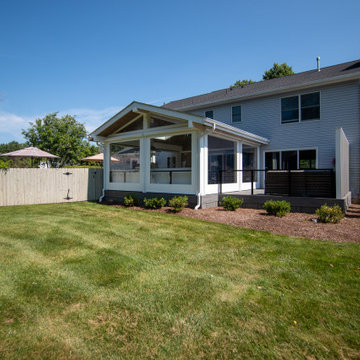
97, 282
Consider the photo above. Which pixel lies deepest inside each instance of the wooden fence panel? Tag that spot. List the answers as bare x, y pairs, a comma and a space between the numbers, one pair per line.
43, 186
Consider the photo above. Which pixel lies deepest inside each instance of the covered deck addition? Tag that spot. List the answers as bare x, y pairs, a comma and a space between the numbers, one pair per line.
152, 150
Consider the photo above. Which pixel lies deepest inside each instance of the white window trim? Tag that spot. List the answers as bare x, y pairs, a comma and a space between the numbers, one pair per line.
241, 114
298, 158
299, 102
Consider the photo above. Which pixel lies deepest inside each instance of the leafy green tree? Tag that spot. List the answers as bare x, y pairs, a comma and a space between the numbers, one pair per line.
278, 70
13, 162
11, 146
242, 83
61, 136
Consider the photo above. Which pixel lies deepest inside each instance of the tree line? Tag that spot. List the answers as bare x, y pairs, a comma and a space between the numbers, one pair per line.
277, 70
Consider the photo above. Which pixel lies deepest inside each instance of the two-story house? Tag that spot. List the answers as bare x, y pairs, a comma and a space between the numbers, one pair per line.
301, 121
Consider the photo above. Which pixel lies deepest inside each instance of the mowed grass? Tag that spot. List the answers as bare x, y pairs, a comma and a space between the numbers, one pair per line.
88, 281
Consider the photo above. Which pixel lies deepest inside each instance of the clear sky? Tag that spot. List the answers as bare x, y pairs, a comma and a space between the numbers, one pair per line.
91, 58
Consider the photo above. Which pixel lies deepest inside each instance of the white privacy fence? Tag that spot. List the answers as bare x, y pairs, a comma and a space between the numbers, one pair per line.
342, 164
43, 186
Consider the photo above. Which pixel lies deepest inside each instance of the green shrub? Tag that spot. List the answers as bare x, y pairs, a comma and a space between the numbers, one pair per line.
154, 203
277, 208
4, 165
131, 200
178, 203
329, 214
230, 203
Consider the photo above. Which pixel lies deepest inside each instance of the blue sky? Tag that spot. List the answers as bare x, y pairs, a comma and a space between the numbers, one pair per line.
91, 58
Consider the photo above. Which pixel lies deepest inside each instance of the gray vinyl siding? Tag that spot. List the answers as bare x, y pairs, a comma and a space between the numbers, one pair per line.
339, 106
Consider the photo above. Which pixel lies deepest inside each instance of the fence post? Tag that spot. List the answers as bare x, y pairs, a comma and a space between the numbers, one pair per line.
289, 182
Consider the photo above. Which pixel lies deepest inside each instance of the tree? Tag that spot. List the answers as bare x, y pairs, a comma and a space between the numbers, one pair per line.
13, 162
278, 71
64, 137
242, 83
10, 146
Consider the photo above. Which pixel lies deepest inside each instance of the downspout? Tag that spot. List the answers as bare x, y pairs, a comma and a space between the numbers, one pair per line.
102, 195
198, 204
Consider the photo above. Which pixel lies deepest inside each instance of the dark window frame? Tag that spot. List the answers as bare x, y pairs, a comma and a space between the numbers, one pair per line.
313, 165
239, 114
301, 109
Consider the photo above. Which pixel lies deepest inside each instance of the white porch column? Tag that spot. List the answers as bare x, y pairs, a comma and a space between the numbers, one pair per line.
203, 163
146, 120
106, 165
195, 160
238, 165
145, 163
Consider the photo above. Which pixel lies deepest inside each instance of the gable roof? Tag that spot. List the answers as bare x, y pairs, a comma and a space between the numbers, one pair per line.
327, 75
133, 110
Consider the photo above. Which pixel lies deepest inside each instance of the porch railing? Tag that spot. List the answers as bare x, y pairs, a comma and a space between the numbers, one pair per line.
170, 172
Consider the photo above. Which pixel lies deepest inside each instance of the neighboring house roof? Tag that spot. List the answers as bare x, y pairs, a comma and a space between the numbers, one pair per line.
327, 75
132, 111
32, 152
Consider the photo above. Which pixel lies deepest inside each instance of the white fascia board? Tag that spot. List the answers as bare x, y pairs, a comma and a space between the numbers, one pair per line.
218, 125
139, 108
281, 90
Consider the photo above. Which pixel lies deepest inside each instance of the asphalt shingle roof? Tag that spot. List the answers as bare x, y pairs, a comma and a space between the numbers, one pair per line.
228, 94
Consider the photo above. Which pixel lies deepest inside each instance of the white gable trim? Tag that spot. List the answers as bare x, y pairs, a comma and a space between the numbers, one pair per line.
141, 108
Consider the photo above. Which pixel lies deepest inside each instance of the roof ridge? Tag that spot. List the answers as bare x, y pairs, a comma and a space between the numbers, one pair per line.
257, 83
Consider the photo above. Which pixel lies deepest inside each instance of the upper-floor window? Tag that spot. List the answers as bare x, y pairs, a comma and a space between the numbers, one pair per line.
310, 106
209, 114
300, 108
236, 114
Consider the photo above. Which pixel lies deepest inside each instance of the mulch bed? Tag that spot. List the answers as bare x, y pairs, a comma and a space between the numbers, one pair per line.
293, 224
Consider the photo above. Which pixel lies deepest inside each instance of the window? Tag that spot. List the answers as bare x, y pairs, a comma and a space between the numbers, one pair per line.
290, 109
309, 108
272, 160
307, 159
125, 162
170, 159
209, 114
290, 160
221, 156
236, 114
